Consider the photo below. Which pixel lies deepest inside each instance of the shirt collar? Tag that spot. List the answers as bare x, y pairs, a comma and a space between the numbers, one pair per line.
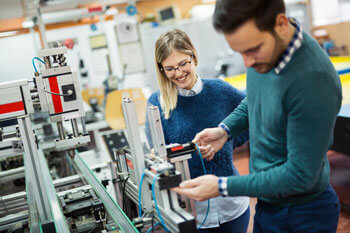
196, 89
293, 45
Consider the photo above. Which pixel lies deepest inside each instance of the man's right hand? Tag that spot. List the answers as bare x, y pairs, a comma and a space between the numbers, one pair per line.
210, 141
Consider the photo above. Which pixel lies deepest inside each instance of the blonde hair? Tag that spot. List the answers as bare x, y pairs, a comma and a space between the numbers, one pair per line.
168, 42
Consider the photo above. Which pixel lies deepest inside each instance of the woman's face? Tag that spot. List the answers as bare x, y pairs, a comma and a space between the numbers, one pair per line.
180, 69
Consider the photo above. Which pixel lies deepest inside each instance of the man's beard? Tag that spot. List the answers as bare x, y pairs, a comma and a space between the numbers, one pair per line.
277, 53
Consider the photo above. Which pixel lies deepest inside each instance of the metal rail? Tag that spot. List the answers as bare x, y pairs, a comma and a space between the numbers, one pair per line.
113, 209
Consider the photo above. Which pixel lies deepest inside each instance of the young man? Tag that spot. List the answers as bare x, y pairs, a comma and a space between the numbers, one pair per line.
293, 97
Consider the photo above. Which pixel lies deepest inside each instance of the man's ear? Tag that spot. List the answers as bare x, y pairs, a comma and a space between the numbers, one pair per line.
282, 25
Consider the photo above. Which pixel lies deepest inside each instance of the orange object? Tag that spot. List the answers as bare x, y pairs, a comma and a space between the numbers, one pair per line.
98, 93
114, 112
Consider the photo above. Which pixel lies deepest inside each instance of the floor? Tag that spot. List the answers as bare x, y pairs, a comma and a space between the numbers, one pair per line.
241, 161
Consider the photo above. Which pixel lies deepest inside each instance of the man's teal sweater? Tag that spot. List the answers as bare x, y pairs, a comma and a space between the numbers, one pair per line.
290, 117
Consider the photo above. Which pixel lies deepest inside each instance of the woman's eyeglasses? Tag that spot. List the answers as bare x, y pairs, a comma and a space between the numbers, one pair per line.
170, 71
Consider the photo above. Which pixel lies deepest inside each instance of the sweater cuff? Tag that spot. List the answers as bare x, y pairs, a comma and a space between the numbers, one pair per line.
222, 184
238, 185
222, 125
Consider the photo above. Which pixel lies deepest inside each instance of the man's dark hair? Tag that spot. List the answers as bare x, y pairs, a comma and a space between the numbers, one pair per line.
231, 14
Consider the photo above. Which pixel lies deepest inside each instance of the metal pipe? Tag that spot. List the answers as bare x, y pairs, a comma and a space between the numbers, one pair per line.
71, 153
47, 62
8, 135
75, 127
59, 183
14, 211
42, 29
8, 206
61, 130
82, 119
15, 173
113, 168
13, 219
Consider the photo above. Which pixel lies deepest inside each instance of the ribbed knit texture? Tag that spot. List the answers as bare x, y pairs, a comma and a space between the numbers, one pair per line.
195, 113
290, 118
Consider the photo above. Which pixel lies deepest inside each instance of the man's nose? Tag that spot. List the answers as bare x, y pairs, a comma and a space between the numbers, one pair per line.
248, 61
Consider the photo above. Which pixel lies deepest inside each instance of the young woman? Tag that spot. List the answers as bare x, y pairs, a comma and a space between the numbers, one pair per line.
187, 105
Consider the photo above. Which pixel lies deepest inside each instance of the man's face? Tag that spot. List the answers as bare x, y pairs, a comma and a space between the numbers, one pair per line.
260, 50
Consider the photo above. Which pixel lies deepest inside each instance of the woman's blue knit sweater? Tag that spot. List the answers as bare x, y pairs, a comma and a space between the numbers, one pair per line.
195, 113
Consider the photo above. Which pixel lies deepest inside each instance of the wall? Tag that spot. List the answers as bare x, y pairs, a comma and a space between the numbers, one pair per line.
149, 6
339, 33
210, 45
16, 57
17, 53
23, 47
11, 12
326, 12
333, 15
209, 53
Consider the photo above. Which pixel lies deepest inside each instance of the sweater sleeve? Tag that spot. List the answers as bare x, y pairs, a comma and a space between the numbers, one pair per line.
311, 113
237, 121
236, 98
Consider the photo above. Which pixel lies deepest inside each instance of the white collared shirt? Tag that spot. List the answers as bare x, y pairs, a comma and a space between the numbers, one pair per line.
293, 46
196, 89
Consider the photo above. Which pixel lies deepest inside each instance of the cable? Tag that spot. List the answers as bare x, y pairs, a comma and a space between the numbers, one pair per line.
152, 222
123, 192
155, 203
152, 227
36, 58
70, 92
200, 156
155, 200
140, 187
205, 172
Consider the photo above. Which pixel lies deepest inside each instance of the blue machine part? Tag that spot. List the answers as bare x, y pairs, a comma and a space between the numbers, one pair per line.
131, 10
93, 27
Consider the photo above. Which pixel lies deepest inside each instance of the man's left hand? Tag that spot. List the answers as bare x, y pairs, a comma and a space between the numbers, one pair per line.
200, 189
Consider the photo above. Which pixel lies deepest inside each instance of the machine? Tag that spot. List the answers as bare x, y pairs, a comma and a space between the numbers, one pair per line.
40, 207
80, 202
163, 170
